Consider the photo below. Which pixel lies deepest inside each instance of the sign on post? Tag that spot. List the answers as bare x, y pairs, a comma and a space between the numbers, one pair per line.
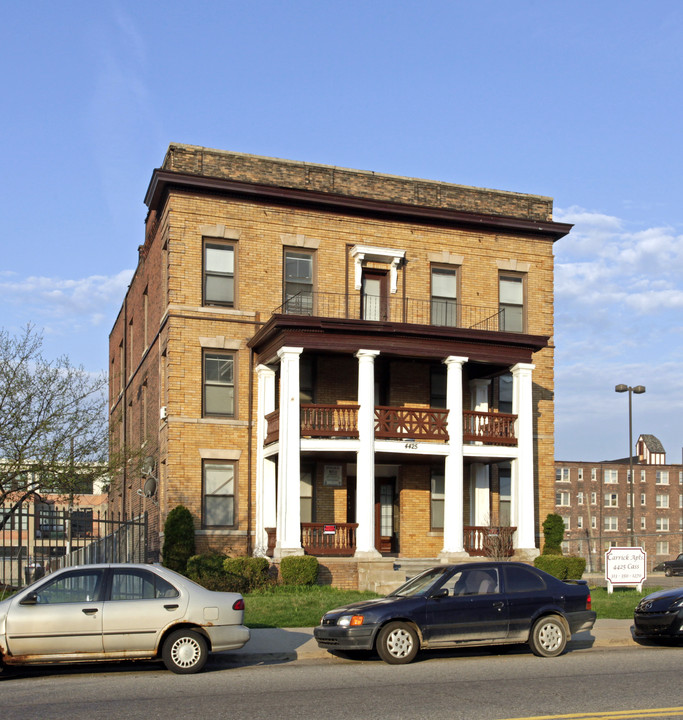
625, 566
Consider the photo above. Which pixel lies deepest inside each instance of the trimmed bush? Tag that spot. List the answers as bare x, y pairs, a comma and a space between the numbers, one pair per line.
246, 573
207, 570
553, 532
299, 570
178, 539
563, 568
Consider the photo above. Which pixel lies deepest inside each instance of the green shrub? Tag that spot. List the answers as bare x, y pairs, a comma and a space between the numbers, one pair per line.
246, 574
178, 539
206, 567
564, 568
553, 532
299, 570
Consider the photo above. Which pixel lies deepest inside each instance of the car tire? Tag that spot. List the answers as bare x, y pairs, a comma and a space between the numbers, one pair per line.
548, 637
185, 652
668, 572
397, 643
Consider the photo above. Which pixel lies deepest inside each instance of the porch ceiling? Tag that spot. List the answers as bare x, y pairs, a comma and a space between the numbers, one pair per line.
347, 336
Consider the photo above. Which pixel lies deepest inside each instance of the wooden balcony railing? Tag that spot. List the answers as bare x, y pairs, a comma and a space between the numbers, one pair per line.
411, 423
329, 538
489, 428
329, 421
398, 423
493, 542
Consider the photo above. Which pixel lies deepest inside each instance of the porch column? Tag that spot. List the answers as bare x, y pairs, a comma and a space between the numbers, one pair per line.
480, 496
453, 546
288, 536
523, 467
365, 468
266, 506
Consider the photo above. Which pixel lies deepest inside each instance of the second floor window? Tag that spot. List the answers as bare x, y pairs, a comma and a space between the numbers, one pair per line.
437, 500
219, 274
661, 501
611, 476
611, 500
562, 474
219, 384
298, 282
218, 499
444, 297
511, 302
662, 477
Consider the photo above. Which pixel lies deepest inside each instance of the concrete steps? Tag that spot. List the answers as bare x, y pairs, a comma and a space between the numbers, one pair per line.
385, 575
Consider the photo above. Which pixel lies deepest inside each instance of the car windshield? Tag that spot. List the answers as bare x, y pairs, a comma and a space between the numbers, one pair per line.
420, 584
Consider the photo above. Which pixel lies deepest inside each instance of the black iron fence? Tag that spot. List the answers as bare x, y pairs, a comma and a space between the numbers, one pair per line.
35, 540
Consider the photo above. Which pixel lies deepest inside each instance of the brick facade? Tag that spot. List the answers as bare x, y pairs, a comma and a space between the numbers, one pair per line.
263, 207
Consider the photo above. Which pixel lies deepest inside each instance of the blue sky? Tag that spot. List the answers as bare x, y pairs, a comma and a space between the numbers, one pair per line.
581, 101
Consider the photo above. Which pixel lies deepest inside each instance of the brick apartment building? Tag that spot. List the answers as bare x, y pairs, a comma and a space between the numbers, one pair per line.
337, 362
594, 500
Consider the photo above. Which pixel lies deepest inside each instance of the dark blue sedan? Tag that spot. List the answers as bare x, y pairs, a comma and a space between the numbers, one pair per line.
484, 603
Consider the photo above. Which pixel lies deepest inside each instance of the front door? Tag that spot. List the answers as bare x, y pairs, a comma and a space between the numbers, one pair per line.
374, 304
385, 489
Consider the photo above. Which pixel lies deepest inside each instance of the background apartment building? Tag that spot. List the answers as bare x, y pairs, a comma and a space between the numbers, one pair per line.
337, 362
594, 500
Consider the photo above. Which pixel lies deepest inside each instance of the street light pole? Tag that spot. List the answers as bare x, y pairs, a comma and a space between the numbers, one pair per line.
638, 390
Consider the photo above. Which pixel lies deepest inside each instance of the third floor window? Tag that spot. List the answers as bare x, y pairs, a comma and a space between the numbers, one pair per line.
219, 274
298, 282
511, 303
444, 297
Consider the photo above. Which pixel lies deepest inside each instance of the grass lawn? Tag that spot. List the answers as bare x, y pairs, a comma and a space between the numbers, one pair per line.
620, 604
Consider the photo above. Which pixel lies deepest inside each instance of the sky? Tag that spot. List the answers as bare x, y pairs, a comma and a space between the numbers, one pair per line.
581, 101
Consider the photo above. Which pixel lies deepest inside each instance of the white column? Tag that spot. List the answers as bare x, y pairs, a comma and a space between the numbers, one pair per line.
523, 467
365, 469
265, 469
288, 535
480, 479
453, 546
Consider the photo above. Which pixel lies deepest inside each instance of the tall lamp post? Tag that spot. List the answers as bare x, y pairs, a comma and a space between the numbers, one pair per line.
638, 390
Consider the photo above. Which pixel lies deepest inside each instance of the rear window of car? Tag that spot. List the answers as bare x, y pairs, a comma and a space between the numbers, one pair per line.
140, 585
521, 579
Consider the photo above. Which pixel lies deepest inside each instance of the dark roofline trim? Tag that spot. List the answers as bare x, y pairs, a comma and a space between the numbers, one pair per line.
163, 181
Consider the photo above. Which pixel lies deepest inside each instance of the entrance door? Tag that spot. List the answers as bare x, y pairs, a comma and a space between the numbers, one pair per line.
385, 489
374, 304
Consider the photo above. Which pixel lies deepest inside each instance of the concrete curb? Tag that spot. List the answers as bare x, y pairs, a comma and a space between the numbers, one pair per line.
281, 645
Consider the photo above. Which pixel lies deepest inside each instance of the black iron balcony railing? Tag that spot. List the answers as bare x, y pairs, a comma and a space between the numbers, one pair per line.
441, 313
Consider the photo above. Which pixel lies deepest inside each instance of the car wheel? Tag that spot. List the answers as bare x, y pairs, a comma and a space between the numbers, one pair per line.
397, 643
548, 637
185, 652
668, 572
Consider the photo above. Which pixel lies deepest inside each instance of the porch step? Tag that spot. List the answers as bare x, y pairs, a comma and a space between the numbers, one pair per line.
385, 575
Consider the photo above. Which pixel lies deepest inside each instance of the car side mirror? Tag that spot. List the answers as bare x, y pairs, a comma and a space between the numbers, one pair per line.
30, 599
442, 592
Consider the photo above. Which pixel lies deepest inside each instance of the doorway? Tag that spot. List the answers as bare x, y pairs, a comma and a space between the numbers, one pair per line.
374, 303
385, 536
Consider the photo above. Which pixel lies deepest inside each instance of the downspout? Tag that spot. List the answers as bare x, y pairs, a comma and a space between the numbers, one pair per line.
250, 443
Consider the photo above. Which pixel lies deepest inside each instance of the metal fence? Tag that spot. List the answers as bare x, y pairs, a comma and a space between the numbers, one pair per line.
36, 540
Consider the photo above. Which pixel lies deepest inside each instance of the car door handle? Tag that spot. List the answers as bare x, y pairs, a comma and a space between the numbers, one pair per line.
171, 607
498, 605
89, 611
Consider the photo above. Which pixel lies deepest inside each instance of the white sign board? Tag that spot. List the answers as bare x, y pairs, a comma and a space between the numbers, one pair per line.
625, 566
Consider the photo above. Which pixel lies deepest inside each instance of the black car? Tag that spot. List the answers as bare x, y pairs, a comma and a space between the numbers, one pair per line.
659, 616
671, 567
484, 603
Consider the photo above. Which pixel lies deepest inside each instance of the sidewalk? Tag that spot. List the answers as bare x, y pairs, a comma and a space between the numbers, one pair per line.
289, 644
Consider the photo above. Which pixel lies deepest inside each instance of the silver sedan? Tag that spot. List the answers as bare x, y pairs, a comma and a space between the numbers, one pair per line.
118, 612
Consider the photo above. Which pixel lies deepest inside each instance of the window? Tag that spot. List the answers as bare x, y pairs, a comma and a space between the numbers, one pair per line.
611, 500
680, 477
611, 522
567, 522
579, 522
140, 585
505, 393
437, 386
437, 500
643, 476
594, 498
219, 494
298, 282
219, 274
511, 302
444, 308
661, 501
219, 384
562, 499
306, 495
594, 474
643, 523
628, 476
522, 579
561, 474
579, 498
642, 498
306, 379
74, 587
505, 495
662, 477
611, 476
145, 318
680, 501
594, 523
662, 524
662, 547
580, 473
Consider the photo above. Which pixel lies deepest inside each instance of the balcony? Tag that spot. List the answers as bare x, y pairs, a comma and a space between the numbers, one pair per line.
398, 423
353, 306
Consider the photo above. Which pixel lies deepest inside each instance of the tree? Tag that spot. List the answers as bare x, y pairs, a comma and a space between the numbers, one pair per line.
178, 539
53, 422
